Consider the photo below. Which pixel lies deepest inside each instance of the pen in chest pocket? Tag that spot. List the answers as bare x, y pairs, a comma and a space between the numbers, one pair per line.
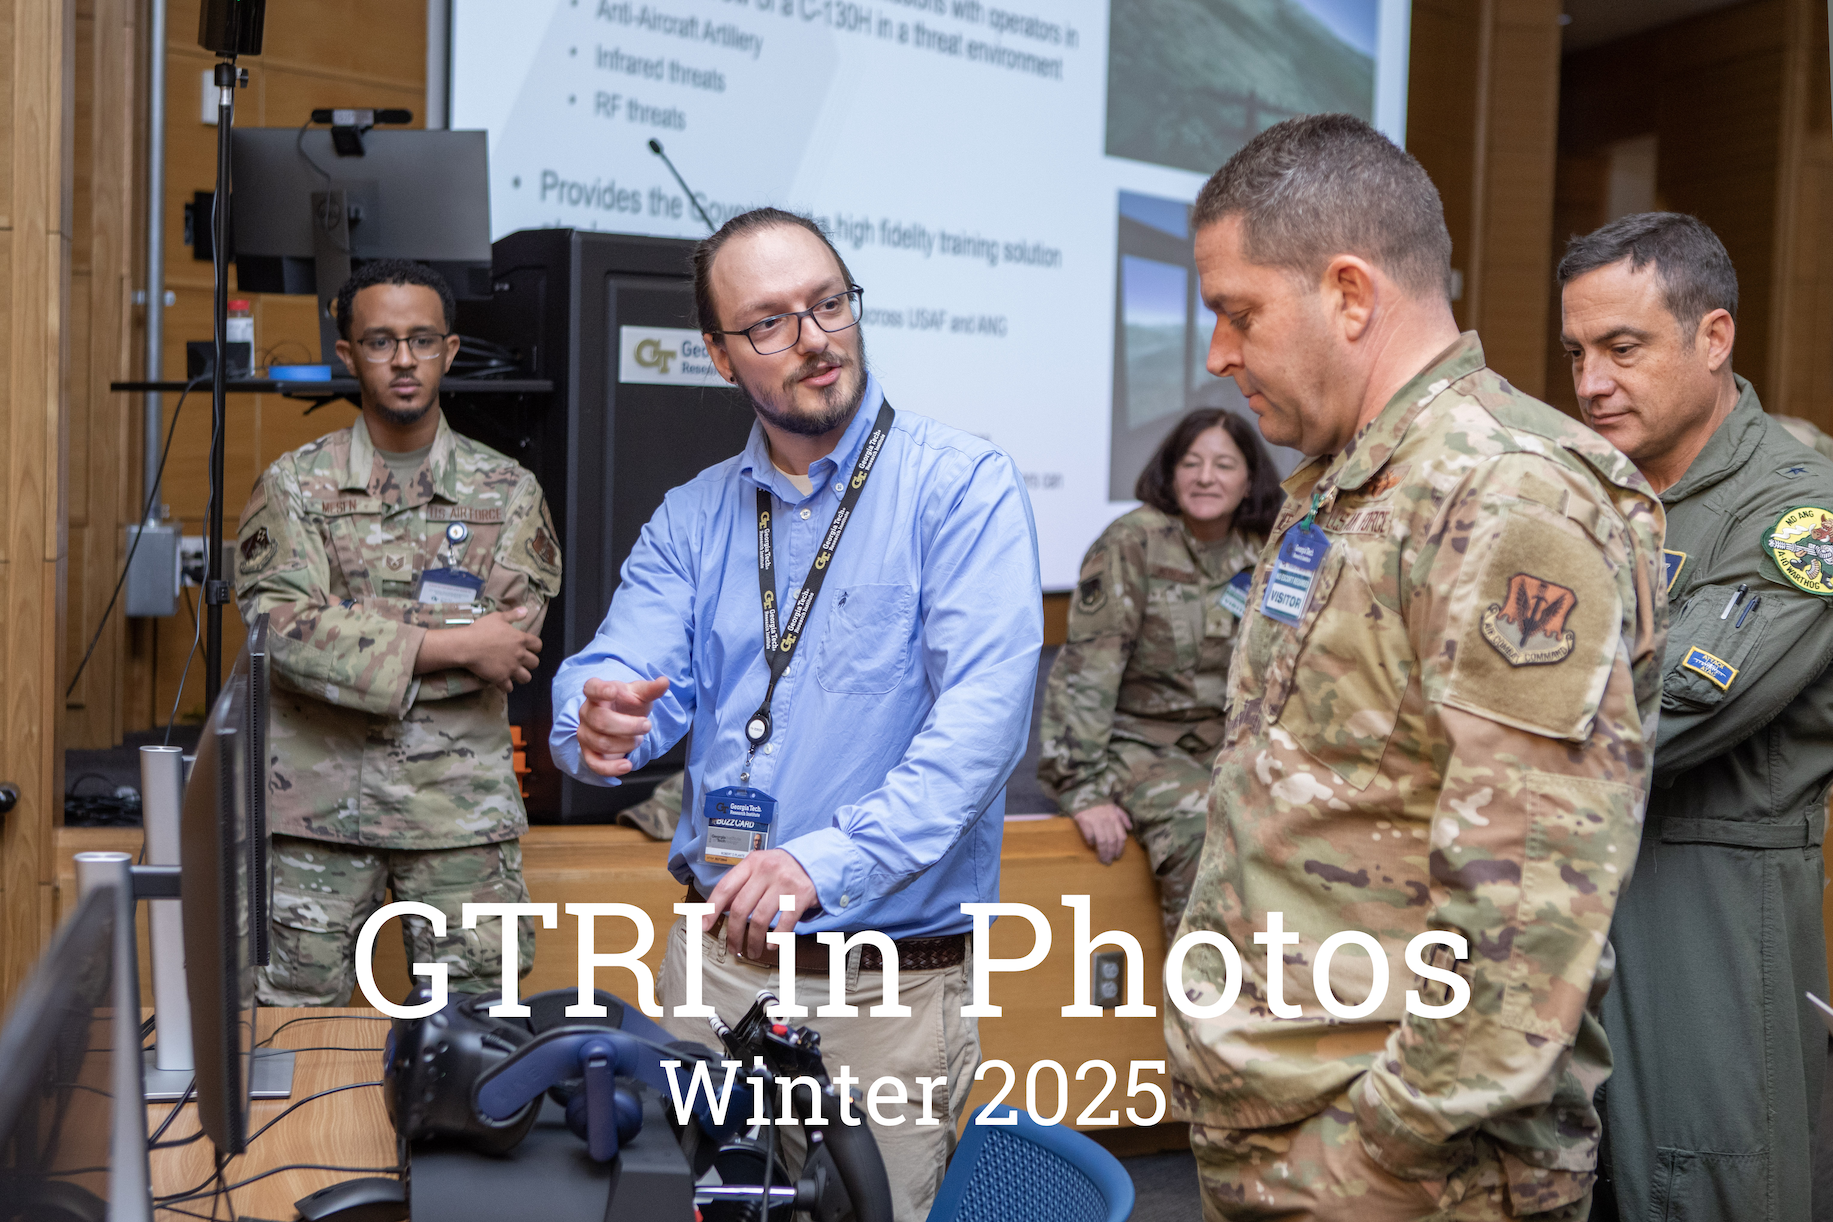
1736, 598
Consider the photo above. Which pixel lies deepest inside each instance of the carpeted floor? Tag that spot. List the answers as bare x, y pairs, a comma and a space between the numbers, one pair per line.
1165, 1187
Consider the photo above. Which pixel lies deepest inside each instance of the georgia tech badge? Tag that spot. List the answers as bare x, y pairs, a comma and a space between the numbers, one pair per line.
1529, 629
1801, 544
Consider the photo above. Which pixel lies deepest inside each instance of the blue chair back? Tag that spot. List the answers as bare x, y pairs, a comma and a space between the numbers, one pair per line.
1029, 1172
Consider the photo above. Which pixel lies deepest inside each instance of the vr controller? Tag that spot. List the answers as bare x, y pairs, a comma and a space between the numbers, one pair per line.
462, 1078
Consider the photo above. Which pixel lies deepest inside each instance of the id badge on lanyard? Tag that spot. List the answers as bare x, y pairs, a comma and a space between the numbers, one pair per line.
737, 824
448, 586
1301, 555
1233, 598
738, 817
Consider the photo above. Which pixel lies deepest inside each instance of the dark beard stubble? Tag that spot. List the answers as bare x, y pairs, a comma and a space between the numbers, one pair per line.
838, 402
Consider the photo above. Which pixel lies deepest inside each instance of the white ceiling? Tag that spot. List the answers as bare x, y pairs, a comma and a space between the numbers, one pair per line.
1600, 21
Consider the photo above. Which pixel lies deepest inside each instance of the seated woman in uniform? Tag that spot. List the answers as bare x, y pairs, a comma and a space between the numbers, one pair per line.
1133, 708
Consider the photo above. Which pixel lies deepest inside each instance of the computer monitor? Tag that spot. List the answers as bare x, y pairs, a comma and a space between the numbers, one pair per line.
255, 776
225, 895
58, 1077
421, 195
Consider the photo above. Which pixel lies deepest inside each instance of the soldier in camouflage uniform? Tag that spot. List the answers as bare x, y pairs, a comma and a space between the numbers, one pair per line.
402, 586
1133, 708
1441, 712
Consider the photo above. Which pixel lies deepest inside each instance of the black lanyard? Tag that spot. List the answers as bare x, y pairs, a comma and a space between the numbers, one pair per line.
779, 649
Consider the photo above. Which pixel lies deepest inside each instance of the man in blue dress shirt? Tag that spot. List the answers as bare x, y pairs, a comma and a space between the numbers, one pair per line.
868, 695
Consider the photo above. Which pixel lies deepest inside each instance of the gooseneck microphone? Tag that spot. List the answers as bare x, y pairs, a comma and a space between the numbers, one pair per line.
655, 146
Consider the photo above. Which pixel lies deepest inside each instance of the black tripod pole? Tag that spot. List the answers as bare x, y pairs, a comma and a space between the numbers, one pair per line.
216, 589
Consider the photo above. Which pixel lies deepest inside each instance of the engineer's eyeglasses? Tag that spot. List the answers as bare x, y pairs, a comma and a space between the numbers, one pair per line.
780, 332
424, 345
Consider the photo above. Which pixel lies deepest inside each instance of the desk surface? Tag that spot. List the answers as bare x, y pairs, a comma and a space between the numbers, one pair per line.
348, 1129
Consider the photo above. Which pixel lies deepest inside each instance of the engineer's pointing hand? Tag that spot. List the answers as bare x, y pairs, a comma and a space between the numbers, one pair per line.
613, 720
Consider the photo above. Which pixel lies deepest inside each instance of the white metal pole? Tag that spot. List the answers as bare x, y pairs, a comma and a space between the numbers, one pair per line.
155, 244
161, 801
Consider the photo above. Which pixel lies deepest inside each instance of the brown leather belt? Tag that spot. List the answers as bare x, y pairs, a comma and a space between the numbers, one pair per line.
913, 954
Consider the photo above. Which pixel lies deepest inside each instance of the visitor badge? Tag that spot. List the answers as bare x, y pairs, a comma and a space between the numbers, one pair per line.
1234, 595
448, 586
737, 824
1301, 554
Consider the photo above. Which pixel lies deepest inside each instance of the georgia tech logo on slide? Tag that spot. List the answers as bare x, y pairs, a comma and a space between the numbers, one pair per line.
650, 354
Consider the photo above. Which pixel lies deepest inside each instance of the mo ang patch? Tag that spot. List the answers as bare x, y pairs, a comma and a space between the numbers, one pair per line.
1528, 628
1801, 544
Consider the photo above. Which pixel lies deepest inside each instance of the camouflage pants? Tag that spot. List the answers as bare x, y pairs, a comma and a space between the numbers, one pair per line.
1316, 1171
324, 891
1167, 797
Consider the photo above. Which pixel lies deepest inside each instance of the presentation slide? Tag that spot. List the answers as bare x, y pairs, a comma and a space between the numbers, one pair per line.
1010, 185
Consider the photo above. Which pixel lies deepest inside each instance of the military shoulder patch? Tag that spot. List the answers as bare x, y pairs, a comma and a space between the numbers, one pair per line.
1717, 671
257, 548
1536, 634
1673, 561
542, 549
1528, 627
1801, 544
1091, 595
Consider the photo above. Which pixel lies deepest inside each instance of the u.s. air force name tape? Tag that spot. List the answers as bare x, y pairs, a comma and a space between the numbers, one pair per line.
664, 356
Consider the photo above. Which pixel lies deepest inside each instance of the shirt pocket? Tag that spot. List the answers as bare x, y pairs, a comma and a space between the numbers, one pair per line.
1351, 671
867, 645
345, 525
1705, 653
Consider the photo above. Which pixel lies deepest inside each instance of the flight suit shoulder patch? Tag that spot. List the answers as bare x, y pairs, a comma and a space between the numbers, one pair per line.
1801, 544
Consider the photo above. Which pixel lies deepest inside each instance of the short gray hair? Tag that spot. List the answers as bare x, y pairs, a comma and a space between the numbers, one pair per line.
1312, 188
1696, 273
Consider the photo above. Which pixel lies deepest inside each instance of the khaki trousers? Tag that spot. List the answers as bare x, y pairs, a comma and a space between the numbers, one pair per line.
934, 1042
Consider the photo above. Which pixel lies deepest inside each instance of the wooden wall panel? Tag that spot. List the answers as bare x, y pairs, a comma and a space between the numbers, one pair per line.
1442, 117
37, 43
1799, 370
1736, 99
1482, 118
100, 484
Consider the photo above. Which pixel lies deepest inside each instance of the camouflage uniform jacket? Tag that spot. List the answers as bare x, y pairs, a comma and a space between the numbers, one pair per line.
1147, 653
1456, 736
332, 547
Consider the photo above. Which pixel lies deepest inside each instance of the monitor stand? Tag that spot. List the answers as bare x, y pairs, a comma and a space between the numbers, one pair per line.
272, 1077
273, 1074
163, 1085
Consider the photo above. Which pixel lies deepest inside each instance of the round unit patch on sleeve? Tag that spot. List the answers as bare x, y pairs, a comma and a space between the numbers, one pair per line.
1801, 544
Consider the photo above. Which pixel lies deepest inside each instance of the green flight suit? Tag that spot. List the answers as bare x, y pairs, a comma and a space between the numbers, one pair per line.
1718, 1057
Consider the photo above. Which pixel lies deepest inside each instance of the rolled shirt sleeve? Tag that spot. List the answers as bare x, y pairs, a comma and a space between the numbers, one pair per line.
1531, 641
336, 650
1083, 691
